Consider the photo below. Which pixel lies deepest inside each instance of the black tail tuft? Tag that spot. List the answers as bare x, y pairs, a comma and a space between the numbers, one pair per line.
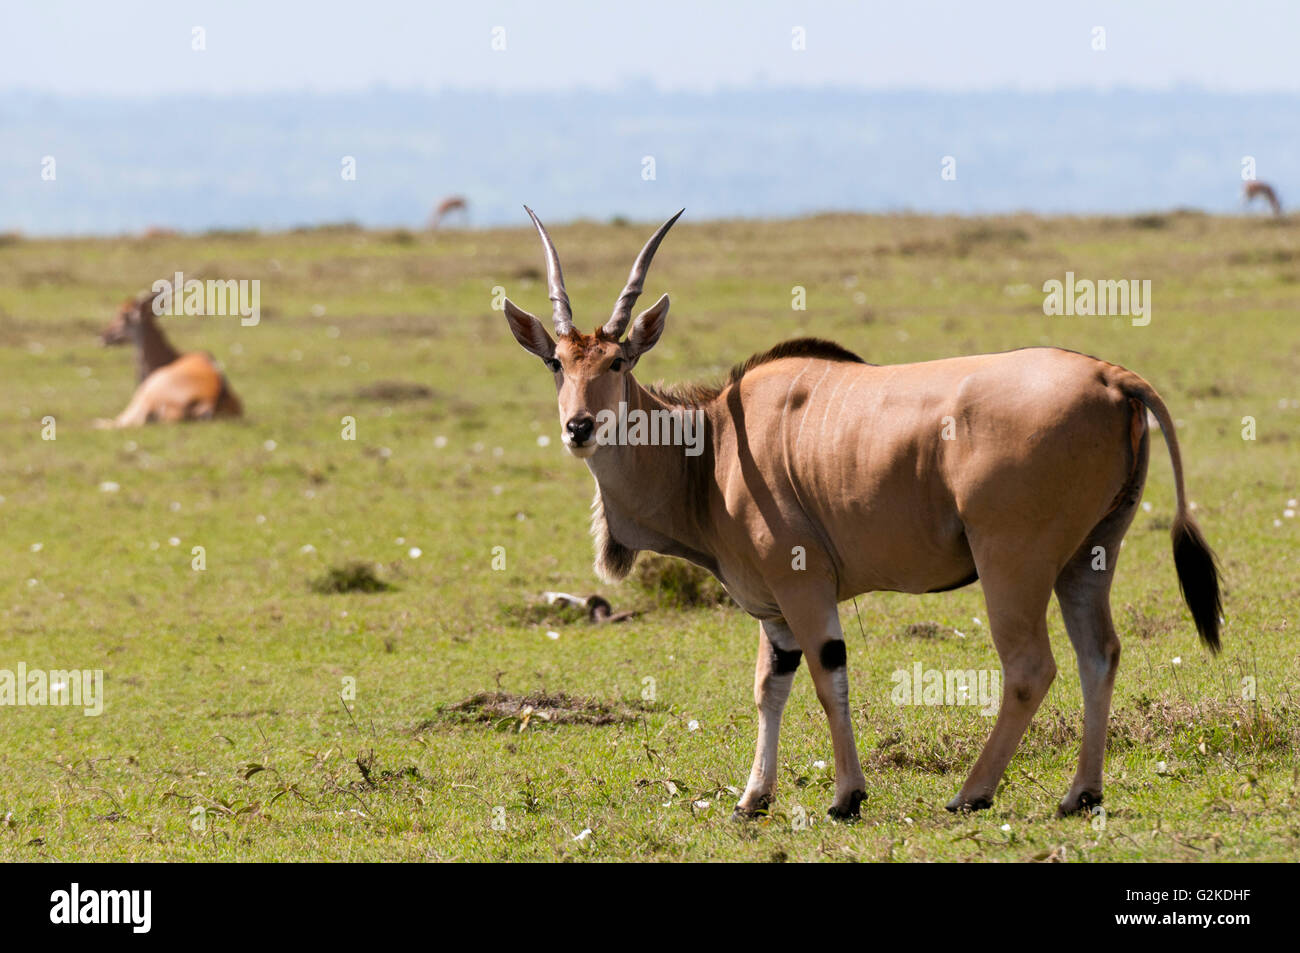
1198, 577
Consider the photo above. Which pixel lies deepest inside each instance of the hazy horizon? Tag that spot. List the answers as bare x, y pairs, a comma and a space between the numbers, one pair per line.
196, 162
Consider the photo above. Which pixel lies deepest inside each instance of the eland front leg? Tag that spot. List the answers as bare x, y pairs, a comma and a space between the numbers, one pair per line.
815, 623
778, 660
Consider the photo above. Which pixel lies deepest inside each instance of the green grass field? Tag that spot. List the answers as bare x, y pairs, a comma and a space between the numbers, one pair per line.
225, 734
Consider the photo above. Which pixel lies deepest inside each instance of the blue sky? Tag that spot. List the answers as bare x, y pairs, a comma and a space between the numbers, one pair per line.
143, 48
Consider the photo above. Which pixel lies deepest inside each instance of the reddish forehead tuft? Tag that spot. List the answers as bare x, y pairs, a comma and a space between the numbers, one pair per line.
581, 347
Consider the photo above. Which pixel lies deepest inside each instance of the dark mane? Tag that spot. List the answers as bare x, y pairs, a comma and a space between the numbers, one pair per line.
696, 395
684, 395
799, 347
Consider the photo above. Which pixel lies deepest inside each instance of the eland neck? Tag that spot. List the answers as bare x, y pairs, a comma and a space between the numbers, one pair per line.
152, 349
656, 495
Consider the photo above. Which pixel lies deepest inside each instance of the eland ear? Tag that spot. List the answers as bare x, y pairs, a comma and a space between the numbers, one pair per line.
647, 327
528, 331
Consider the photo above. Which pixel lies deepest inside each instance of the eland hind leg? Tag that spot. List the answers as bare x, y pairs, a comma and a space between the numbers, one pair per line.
1017, 587
1083, 591
1084, 595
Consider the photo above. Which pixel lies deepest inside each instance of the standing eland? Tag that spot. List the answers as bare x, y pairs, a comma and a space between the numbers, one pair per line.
1253, 190
1021, 469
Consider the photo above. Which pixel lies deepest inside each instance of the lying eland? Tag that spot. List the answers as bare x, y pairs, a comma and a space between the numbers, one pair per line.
822, 476
172, 386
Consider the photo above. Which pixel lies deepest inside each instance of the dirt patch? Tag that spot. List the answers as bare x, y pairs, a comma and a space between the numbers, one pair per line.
1214, 389
372, 778
398, 236
1147, 625
394, 390
1148, 221
250, 713
990, 234
1263, 256
535, 614
919, 246
930, 756
508, 711
925, 630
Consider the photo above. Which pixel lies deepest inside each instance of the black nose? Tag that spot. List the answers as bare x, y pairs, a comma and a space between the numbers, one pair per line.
580, 429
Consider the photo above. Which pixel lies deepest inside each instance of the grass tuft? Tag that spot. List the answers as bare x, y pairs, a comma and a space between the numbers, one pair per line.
351, 577
677, 584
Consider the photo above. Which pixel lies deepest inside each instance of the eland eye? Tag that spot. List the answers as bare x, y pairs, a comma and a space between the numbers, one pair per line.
617, 364
553, 364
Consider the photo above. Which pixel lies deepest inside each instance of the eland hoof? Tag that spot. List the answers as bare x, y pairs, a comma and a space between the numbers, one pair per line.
960, 805
850, 811
1081, 803
760, 809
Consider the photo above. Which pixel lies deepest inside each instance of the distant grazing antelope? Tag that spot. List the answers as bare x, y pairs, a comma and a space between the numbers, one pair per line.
173, 386
1255, 190
822, 476
452, 203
